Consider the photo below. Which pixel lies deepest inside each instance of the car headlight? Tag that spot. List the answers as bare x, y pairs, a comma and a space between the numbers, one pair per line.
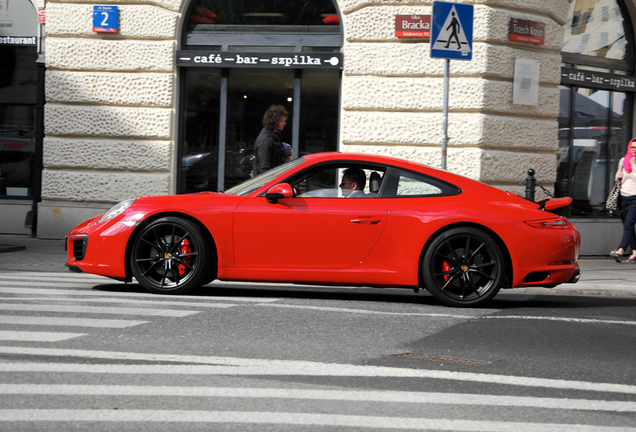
116, 210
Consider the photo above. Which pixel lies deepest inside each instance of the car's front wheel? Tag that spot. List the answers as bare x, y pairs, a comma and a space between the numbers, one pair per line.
463, 267
169, 256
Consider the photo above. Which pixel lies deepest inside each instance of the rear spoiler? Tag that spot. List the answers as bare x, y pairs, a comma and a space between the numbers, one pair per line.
554, 203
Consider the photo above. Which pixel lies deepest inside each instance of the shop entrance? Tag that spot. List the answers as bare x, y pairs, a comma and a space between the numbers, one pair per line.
229, 79
598, 83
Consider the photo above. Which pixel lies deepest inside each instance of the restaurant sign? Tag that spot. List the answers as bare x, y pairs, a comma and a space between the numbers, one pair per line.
18, 23
413, 26
527, 31
291, 60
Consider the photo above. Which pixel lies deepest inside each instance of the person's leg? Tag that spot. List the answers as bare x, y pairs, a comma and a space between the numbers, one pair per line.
629, 237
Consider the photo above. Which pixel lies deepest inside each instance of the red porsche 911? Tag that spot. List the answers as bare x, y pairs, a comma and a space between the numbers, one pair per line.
336, 219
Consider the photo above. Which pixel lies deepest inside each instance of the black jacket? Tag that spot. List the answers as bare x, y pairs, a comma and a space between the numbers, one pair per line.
268, 149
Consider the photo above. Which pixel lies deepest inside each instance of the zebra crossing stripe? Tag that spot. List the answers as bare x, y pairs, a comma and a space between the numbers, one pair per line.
69, 322
215, 365
120, 300
290, 418
26, 336
97, 310
47, 291
383, 396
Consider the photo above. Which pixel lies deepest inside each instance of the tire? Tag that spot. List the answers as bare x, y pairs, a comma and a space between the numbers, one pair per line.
170, 256
463, 267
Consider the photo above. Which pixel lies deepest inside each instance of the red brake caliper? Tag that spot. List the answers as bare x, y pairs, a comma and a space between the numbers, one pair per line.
185, 249
446, 267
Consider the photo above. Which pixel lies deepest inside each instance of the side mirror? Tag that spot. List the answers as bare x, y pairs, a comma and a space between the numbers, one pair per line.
278, 192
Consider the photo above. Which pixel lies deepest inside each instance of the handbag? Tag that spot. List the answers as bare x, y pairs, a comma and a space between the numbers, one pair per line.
614, 196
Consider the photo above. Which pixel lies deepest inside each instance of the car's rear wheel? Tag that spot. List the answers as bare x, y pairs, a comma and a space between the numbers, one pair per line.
463, 267
169, 256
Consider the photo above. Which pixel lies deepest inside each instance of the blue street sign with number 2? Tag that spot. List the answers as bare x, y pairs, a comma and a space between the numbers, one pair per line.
105, 19
452, 31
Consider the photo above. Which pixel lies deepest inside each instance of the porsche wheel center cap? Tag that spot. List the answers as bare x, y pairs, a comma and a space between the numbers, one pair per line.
167, 256
464, 268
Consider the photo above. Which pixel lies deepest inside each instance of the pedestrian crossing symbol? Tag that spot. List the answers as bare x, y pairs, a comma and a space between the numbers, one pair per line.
452, 31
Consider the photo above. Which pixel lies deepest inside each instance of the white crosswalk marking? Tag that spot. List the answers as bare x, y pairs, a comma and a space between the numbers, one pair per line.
97, 310
37, 336
68, 322
292, 418
53, 376
71, 297
127, 295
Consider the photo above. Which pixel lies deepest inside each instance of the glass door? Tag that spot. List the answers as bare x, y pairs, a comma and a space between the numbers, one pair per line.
200, 142
250, 93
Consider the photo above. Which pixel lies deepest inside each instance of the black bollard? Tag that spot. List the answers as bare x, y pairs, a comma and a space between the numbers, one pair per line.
531, 182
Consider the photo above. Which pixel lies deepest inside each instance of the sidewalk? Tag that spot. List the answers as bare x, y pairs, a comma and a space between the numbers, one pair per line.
600, 276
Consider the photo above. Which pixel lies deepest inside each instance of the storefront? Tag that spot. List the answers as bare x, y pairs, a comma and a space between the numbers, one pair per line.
596, 110
238, 58
18, 93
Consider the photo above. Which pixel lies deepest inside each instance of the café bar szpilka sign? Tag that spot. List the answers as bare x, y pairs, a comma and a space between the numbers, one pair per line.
291, 60
18, 23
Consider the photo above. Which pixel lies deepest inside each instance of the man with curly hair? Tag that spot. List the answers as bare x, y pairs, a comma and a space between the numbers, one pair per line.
268, 147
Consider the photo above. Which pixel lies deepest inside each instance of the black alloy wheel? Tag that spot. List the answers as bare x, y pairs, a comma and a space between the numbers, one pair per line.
463, 267
169, 256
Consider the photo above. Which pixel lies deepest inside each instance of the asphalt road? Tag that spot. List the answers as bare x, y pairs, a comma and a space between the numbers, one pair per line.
80, 352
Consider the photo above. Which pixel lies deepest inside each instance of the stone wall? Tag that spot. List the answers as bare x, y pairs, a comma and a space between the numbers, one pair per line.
109, 118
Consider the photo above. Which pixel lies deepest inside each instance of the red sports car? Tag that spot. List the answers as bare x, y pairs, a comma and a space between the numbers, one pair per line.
336, 219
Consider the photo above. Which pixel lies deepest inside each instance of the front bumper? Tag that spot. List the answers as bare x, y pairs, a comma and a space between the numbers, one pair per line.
99, 248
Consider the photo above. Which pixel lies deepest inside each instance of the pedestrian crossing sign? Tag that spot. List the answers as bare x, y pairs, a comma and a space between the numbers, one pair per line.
452, 31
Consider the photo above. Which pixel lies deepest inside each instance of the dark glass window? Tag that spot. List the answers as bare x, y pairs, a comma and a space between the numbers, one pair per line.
262, 16
200, 148
18, 80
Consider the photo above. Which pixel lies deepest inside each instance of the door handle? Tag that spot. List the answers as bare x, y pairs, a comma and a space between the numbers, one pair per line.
366, 221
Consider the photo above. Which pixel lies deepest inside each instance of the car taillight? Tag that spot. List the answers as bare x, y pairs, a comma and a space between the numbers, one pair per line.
559, 223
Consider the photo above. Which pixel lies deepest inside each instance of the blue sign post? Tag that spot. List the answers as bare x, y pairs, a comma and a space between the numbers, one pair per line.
451, 38
105, 19
452, 31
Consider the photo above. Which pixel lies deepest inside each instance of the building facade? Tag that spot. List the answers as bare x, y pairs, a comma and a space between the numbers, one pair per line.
171, 101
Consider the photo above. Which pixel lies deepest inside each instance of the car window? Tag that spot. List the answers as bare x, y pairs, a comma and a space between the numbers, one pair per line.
249, 186
403, 183
330, 181
408, 185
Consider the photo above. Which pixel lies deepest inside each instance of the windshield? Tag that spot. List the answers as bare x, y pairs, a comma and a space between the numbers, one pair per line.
249, 186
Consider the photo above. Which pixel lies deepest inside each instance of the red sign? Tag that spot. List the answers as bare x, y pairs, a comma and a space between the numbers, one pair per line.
42, 16
413, 26
527, 31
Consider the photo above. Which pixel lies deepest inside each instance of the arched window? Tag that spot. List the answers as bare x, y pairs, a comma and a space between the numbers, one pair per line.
239, 57
596, 28
262, 16
597, 88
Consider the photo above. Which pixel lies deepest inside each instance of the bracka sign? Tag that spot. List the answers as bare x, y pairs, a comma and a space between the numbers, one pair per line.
413, 26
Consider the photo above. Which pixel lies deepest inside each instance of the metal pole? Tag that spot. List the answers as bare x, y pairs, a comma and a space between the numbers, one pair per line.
445, 114
531, 183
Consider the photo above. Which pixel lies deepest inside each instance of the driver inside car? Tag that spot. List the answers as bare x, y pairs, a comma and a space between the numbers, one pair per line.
353, 182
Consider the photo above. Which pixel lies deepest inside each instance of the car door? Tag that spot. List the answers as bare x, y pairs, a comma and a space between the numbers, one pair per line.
306, 233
